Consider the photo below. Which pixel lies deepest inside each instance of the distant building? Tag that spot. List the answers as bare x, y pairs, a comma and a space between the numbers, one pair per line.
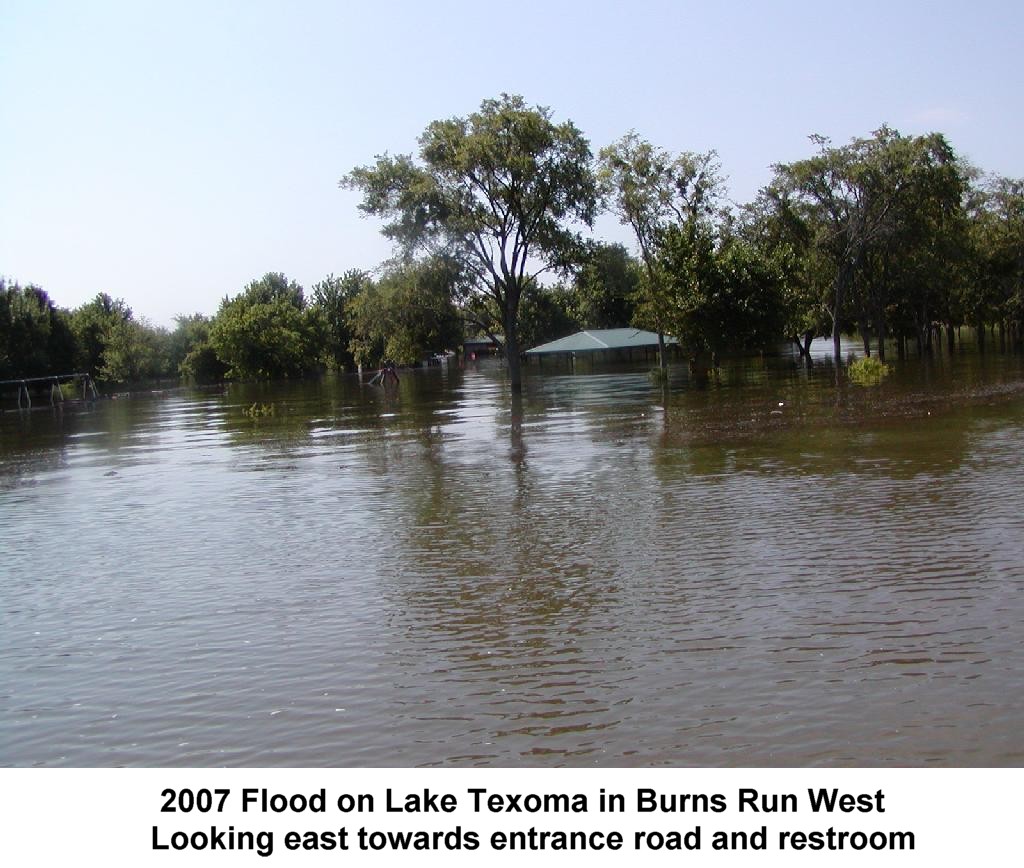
624, 344
482, 347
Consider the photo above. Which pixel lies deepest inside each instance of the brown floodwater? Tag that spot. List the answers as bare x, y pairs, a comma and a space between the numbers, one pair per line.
770, 569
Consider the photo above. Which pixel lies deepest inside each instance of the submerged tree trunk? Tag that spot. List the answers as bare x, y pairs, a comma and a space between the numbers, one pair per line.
700, 366
515, 372
803, 344
662, 361
881, 331
517, 448
924, 331
843, 278
950, 342
865, 336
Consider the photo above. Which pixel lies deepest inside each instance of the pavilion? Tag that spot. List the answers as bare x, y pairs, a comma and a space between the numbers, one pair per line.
622, 344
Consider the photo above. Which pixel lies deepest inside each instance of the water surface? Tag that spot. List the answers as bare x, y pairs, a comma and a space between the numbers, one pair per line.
772, 569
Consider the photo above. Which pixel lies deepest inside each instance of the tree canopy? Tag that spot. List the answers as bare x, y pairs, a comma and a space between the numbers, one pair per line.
502, 191
267, 331
651, 191
407, 315
860, 202
604, 287
722, 293
331, 299
35, 336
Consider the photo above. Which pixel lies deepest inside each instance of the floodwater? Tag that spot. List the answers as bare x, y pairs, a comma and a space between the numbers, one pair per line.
769, 570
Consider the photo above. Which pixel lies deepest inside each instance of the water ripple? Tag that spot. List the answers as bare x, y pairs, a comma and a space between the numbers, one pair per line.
596, 574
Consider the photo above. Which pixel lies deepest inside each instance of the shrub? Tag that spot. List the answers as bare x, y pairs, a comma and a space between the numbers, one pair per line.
868, 372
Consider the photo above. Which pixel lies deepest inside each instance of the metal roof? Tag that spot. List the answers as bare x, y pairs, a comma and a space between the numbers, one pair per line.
594, 340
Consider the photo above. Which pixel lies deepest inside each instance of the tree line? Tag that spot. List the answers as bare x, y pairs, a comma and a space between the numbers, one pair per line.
892, 237
273, 330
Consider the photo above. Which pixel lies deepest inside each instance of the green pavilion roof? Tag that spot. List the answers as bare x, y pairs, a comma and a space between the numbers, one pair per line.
595, 340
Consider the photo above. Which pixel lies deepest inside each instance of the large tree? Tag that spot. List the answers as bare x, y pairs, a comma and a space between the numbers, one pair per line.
331, 299
405, 316
92, 324
191, 355
650, 190
501, 191
924, 252
876, 196
134, 351
267, 332
722, 292
35, 336
779, 231
996, 291
604, 287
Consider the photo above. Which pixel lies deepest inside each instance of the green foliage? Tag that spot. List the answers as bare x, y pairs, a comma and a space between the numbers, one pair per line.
649, 189
267, 332
651, 192
604, 288
35, 336
406, 316
91, 324
754, 287
189, 332
868, 371
274, 287
498, 190
545, 315
259, 411
133, 351
723, 295
884, 214
778, 231
911, 276
369, 323
331, 297
191, 353
100, 338
995, 288
202, 365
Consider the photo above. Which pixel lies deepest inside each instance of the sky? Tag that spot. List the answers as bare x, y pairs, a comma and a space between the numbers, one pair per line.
170, 153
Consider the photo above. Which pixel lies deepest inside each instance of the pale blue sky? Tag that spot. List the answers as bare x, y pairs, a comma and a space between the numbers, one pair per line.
168, 153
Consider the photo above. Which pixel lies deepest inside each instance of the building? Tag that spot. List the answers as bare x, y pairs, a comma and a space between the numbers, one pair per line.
482, 347
623, 344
